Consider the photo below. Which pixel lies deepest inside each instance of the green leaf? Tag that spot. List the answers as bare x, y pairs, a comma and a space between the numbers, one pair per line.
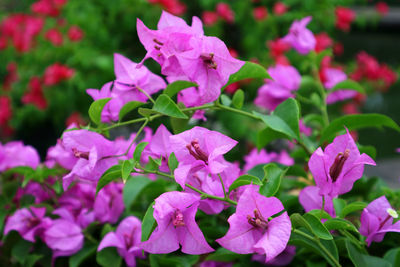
165, 105
285, 118
223, 255
265, 136
317, 227
244, 180
156, 162
126, 169
355, 206
96, 108
225, 100
393, 256
348, 85
363, 260
108, 257
238, 99
146, 112
88, 250
109, 176
303, 241
137, 154
132, 188
148, 223
340, 224
31, 260
272, 179
357, 121
172, 162
128, 107
339, 204
21, 250
247, 71
177, 86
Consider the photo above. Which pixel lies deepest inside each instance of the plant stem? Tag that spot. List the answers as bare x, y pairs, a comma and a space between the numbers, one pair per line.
146, 94
203, 194
238, 111
322, 247
323, 206
222, 184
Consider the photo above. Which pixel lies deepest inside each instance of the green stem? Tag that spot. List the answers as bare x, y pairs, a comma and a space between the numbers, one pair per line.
322, 91
357, 242
238, 111
223, 186
323, 206
146, 94
322, 247
203, 194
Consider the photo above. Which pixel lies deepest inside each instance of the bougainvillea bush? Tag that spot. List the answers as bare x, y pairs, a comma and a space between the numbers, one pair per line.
176, 168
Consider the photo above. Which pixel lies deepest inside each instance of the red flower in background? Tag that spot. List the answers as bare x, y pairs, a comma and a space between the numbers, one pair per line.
323, 41
21, 29
388, 76
57, 73
344, 17
75, 34
172, 6
54, 36
209, 18
260, 13
48, 7
367, 66
3, 42
5, 110
382, 8
11, 77
279, 8
35, 94
75, 118
277, 47
225, 12
338, 49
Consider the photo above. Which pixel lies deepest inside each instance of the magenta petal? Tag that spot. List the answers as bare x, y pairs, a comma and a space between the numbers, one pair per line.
163, 240
111, 240
274, 241
190, 236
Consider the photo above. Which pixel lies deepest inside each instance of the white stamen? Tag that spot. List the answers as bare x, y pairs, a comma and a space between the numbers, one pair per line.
392, 213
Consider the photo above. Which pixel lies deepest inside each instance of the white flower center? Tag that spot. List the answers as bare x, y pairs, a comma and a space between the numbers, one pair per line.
392, 213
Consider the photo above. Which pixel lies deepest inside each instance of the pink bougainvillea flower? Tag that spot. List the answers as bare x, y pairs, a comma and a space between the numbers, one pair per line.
199, 148
337, 167
256, 157
251, 230
93, 152
15, 154
332, 77
301, 38
109, 205
126, 239
209, 65
159, 147
36, 190
175, 215
283, 259
377, 220
76, 204
28, 222
215, 264
344, 18
310, 199
64, 237
286, 79
130, 78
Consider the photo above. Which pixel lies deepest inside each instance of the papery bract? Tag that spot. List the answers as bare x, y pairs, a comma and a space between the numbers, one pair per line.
15, 154
109, 205
310, 199
251, 230
64, 237
337, 167
159, 147
256, 157
175, 215
286, 79
28, 222
126, 239
332, 77
301, 38
199, 148
377, 220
